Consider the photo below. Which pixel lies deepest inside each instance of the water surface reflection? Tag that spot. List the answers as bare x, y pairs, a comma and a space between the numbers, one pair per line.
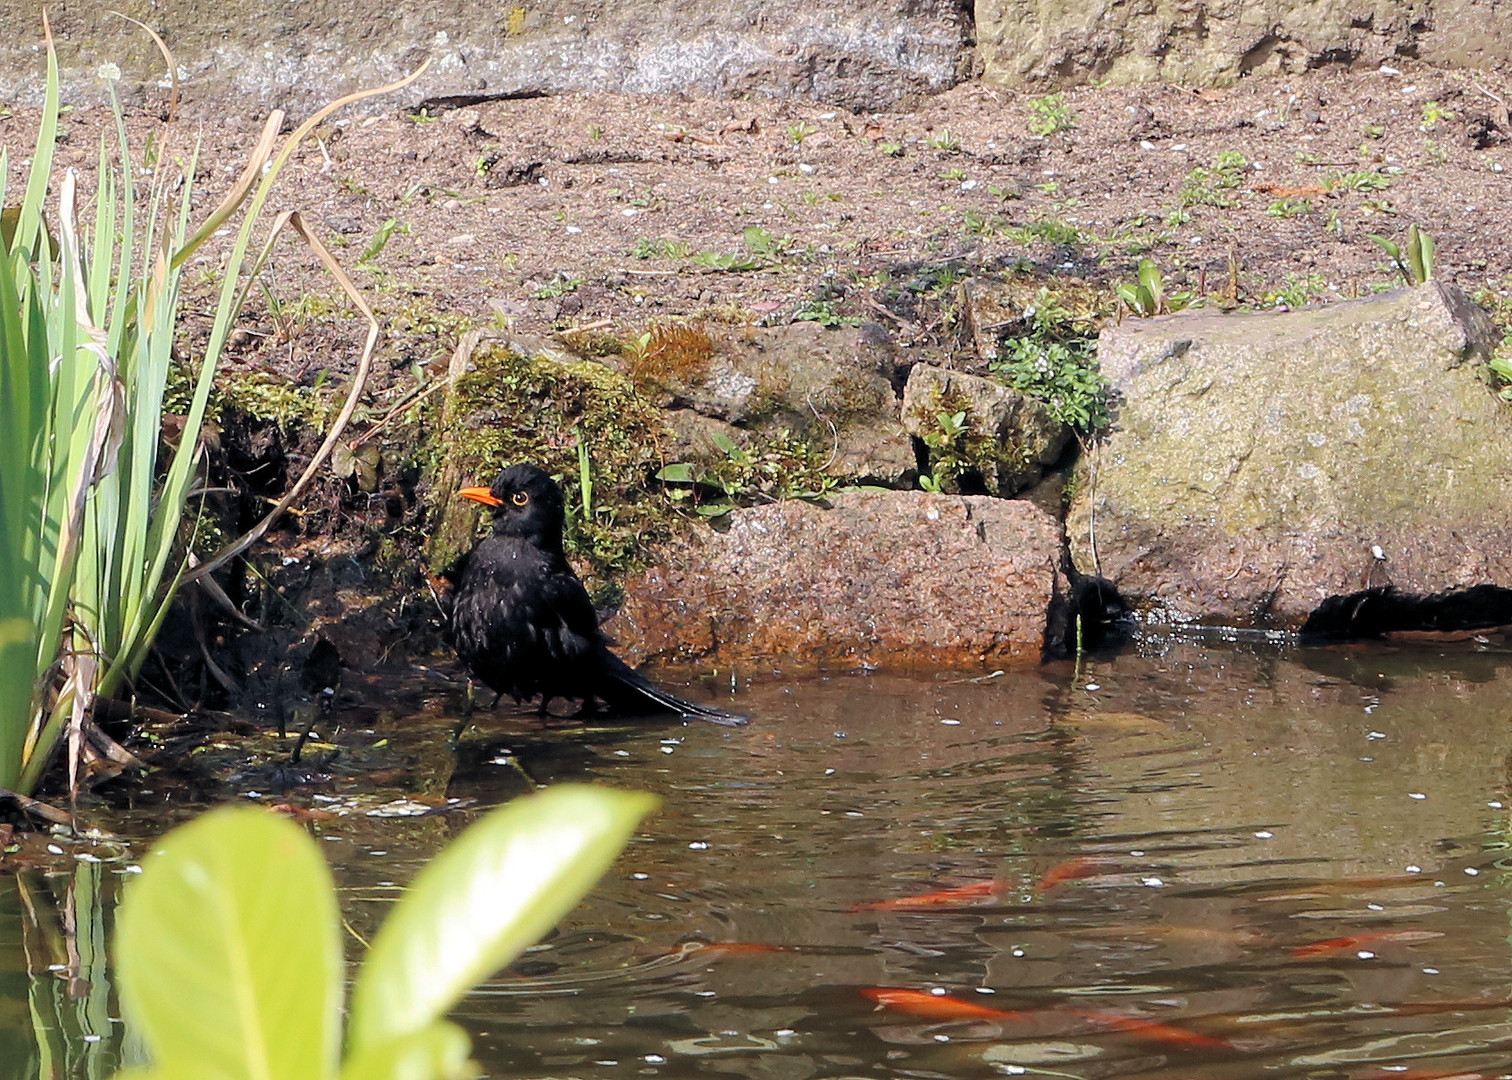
1180, 862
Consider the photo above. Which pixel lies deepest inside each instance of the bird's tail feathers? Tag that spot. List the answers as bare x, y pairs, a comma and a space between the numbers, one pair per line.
632, 679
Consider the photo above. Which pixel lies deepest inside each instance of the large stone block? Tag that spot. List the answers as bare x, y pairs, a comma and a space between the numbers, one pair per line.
1262, 463
882, 578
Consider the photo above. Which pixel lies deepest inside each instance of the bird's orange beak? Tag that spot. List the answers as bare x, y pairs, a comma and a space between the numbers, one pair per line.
481, 495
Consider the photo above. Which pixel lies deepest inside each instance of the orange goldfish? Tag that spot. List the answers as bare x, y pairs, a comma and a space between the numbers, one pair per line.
1358, 941
960, 896
1154, 1031
936, 1006
1080, 867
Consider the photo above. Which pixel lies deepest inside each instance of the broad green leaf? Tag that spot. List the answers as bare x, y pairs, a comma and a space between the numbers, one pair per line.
439, 1052
502, 885
680, 472
229, 950
159, 1072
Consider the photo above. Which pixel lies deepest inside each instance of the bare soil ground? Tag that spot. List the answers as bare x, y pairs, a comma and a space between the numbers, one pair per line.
614, 211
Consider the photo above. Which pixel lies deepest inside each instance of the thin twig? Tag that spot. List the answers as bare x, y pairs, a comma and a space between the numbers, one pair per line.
408, 403
359, 383
173, 97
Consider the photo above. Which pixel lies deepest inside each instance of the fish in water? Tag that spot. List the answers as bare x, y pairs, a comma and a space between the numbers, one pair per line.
936, 1006
522, 621
1154, 1031
1362, 941
1083, 866
960, 896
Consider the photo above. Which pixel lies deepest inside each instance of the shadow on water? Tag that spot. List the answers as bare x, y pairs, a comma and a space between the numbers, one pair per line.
1180, 862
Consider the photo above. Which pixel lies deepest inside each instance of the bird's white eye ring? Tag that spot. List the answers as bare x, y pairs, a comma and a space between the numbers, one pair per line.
519, 498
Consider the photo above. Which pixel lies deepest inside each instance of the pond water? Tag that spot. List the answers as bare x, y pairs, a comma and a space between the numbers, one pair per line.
1184, 861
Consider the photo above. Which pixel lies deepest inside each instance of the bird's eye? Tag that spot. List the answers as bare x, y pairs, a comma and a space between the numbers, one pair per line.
519, 498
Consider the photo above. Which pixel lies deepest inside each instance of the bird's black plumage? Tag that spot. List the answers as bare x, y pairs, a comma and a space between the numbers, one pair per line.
522, 621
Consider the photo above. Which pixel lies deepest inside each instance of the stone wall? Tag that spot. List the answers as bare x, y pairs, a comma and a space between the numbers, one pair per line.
1214, 42
862, 54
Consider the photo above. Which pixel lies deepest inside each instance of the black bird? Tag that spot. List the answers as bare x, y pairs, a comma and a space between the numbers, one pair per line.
522, 621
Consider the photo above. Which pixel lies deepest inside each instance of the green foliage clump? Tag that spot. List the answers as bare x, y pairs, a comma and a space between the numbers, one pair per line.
1148, 295
1414, 258
265, 396
1056, 363
1215, 184
512, 408
824, 313
957, 445
781, 467
1049, 114
1498, 302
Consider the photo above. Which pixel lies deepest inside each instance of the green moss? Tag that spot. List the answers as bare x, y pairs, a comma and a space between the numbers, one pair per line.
271, 397
510, 408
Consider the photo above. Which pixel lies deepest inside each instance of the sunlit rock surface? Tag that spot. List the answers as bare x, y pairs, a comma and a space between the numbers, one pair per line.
883, 578
866, 55
1261, 463
1217, 42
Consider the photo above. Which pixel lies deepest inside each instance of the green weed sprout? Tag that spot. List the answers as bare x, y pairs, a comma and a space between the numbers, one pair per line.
1147, 296
1415, 263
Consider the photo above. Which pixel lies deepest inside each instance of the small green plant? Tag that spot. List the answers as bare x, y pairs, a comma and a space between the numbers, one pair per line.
954, 174
1214, 185
1056, 362
825, 314
595, 132
421, 116
1414, 259
954, 447
891, 149
1433, 112
1049, 228
1297, 291
1374, 131
800, 131
380, 240
780, 468
229, 944
660, 248
945, 142
1050, 114
1289, 208
721, 260
560, 285
1004, 192
760, 242
1147, 296
1356, 181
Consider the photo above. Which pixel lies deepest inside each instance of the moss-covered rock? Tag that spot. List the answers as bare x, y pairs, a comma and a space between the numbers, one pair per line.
519, 399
